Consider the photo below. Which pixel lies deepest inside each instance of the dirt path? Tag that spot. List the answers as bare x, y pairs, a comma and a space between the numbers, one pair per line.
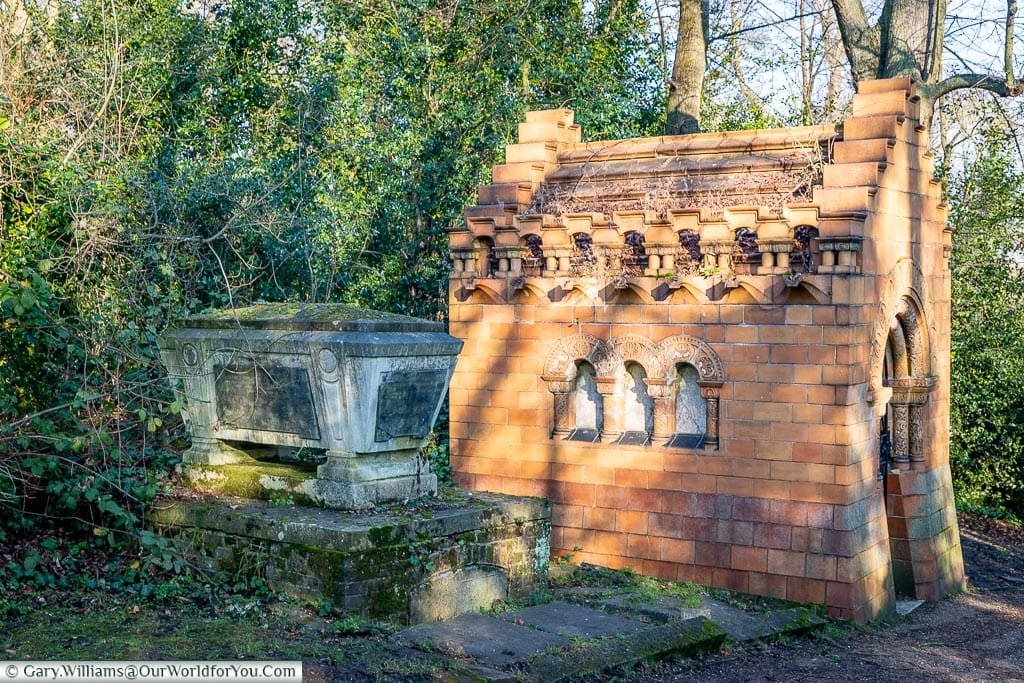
978, 636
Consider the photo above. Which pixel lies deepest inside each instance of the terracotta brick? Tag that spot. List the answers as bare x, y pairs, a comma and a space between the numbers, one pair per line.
789, 471
736, 486
752, 509
777, 536
807, 452
675, 550
749, 559
805, 590
631, 521
774, 490
776, 334
752, 391
699, 483
772, 412
821, 567
669, 481
716, 466
739, 448
712, 554
788, 431
731, 579
789, 563
839, 595
807, 540
664, 524
749, 467
741, 333
738, 533
643, 546
606, 543
750, 353
599, 518
630, 477
700, 529
775, 373
663, 570
837, 543
769, 585
757, 315
576, 494
807, 374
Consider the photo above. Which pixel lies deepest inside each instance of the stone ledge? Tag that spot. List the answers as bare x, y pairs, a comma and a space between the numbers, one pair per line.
414, 563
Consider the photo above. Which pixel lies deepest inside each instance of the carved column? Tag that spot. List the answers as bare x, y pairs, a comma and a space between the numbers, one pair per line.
660, 392
774, 256
839, 254
710, 392
612, 410
916, 435
909, 399
561, 392
717, 255
900, 433
510, 260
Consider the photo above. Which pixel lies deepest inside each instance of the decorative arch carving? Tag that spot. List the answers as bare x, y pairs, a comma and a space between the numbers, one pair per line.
905, 287
640, 350
686, 349
561, 360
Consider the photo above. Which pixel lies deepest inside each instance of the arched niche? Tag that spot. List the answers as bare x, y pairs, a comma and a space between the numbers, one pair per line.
690, 408
574, 370
587, 405
637, 406
694, 376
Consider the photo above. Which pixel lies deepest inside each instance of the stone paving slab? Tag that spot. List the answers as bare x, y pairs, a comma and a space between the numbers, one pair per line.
572, 621
738, 624
660, 610
599, 655
491, 642
587, 633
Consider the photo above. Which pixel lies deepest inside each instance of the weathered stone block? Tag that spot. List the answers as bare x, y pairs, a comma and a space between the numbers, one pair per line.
361, 385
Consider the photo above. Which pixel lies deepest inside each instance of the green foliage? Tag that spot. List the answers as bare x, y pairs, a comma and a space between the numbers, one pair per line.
987, 450
157, 160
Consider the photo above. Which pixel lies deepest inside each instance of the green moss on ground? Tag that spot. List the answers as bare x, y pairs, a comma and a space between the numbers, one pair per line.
104, 626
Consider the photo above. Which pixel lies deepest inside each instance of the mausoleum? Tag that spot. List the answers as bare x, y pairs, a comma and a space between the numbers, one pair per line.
723, 357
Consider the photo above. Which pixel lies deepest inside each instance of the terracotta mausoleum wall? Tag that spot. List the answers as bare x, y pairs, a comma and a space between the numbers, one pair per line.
724, 357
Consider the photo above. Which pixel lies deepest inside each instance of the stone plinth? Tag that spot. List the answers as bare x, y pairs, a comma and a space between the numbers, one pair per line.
363, 386
407, 564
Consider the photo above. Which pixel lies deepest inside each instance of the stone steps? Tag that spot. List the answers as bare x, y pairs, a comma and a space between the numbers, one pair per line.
586, 632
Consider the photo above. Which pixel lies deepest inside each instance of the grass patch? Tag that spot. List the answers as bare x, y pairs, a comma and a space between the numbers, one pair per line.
99, 625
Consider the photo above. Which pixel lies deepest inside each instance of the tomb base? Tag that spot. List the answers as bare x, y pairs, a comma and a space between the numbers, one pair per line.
410, 564
340, 483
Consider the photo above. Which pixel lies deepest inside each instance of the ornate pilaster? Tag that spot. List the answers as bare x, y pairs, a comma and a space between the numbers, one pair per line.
660, 392
561, 392
909, 396
711, 391
612, 422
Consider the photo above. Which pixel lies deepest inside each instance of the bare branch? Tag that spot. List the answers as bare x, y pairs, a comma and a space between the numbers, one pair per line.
1011, 15
769, 24
989, 82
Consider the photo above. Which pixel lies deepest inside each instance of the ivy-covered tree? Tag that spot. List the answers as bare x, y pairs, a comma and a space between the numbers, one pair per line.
987, 371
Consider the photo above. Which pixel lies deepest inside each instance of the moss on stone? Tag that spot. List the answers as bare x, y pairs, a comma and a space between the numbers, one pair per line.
295, 316
244, 480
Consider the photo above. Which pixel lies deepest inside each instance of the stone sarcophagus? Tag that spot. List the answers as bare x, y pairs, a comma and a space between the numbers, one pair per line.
357, 388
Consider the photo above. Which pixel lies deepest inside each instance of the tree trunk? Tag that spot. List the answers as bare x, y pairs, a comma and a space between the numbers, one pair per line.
687, 84
906, 28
